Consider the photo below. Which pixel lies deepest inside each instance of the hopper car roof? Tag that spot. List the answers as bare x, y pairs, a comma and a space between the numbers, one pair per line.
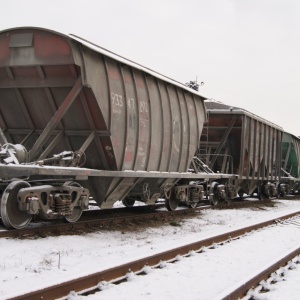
213, 106
112, 55
294, 136
131, 63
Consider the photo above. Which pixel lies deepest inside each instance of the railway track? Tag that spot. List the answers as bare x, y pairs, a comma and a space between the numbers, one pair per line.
98, 219
258, 281
89, 284
93, 219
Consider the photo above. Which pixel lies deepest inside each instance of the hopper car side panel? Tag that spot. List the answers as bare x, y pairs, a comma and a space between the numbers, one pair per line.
244, 142
151, 106
156, 122
60, 94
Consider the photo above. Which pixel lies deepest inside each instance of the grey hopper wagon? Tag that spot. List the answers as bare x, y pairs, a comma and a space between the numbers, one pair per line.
237, 141
78, 121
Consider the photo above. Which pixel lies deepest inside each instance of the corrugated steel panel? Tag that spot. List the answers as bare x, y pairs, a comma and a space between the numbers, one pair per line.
61, 93
252, 144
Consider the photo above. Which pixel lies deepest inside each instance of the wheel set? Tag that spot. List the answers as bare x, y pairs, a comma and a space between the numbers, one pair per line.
20, 202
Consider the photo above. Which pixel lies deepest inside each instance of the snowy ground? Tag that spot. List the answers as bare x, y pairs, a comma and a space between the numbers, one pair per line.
31, 264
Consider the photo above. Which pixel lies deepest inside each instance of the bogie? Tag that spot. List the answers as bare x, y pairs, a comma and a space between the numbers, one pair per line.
20, 202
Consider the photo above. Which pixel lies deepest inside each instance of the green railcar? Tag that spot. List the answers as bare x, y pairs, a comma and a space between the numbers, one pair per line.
291, 159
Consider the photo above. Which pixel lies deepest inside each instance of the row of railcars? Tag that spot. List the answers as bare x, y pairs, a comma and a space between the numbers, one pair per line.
78, 122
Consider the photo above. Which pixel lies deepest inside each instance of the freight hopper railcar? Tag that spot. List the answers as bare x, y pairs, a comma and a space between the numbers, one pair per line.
78, 121
291, 162
236, 141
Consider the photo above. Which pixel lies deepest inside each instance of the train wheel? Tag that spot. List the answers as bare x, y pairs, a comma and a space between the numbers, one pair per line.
213, 196
228, 200
128, 202
193, 205
75, 216
214, 200
171, 201
77, 211
281, 190
229, 193
11, 216
263, 192
282, 194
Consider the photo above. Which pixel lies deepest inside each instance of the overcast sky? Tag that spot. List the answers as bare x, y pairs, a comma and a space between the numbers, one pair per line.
245, 51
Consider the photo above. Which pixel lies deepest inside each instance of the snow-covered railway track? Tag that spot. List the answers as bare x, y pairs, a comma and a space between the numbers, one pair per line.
262, 280
121, 273
290, 222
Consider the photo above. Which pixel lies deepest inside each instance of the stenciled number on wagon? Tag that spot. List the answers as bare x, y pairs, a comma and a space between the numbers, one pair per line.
143, 106
117, 99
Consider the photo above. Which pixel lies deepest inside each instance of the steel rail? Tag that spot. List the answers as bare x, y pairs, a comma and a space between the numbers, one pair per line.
242, 290
87, 282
